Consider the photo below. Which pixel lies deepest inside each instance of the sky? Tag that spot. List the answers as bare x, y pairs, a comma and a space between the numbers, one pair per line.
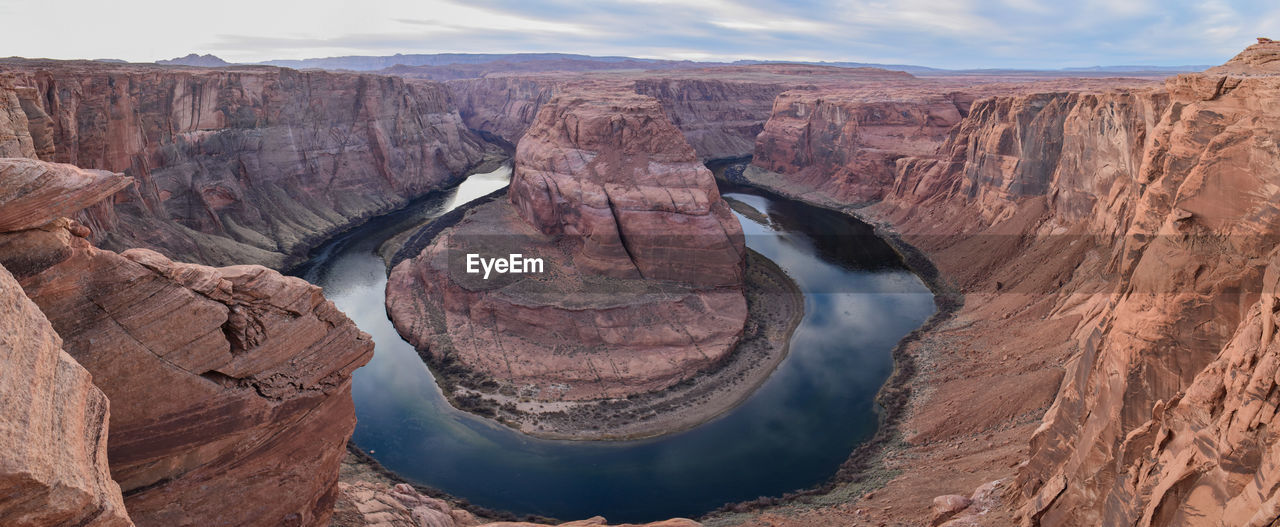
947, 34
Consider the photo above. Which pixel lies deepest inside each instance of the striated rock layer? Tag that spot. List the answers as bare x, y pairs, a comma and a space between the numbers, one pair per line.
1162, 418
845, 143
229, 388
53, 434
1119, 244
236, 165
643, 262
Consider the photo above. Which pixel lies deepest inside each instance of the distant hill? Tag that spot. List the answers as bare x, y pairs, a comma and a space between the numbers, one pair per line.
203, 61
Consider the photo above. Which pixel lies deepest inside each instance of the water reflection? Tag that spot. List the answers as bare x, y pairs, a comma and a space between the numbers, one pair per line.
792, 433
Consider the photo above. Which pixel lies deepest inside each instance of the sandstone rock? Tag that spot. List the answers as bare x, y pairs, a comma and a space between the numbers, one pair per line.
720, 118
254, 369
35, 193
53, 427
643, 262
947, 506
240, 165
846, 143
401, 506
609, 169
15, 129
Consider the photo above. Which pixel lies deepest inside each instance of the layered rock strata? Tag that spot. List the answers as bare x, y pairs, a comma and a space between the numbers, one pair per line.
643, 262
236, 165
229, 388
1121, 241
53, 435
845, 144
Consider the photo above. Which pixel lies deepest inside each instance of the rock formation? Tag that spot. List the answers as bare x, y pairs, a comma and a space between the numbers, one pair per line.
609, 169
643, 261
1141, 432
846, 143
229, 388
1125, 236
53, 437
719, 110
236, 165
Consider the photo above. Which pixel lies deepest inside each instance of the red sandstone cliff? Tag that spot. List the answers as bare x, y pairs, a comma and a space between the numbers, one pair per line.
845, 143
229, 388
248, 165
1120, 240
644, 261
53, 434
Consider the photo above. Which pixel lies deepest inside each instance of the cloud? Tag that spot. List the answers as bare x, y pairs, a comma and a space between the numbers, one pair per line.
958, 33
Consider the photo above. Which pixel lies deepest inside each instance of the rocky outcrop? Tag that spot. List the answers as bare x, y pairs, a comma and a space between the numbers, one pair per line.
643, 262
254, 369
36, 193
241, 165
53, 434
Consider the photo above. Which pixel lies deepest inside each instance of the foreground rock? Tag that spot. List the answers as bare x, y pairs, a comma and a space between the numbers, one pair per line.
53, 435
235, 165
254, 369
643, 262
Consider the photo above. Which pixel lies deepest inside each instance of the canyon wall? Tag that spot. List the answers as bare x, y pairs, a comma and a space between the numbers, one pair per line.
504, 106
247, 165
719, 118
1142, 221
643, 261
229, 388
845, 143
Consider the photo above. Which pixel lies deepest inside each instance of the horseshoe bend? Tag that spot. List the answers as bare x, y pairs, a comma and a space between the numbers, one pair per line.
766, 287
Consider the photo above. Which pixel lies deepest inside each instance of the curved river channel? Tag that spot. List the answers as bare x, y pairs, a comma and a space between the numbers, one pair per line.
792, 433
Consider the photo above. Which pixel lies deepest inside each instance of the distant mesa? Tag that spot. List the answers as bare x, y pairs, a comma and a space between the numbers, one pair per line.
201, 61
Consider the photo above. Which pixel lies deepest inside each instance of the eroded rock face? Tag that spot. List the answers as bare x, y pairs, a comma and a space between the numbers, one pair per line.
643, 262
248, 165
610, 170
53, 434
845, 143
719, 118
229, 388
1195, 250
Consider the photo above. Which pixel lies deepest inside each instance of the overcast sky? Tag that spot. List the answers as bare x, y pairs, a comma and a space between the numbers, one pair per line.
956, 34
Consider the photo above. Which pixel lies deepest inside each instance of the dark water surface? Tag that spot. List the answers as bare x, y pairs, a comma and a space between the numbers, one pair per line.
791, 433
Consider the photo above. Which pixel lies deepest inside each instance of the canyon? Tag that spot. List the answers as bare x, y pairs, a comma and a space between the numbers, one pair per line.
1109, 244
237, 165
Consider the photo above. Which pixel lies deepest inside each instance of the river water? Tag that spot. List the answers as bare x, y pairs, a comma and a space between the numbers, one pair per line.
792, 433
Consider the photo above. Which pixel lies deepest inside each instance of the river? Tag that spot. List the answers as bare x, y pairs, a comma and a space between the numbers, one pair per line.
792, 433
